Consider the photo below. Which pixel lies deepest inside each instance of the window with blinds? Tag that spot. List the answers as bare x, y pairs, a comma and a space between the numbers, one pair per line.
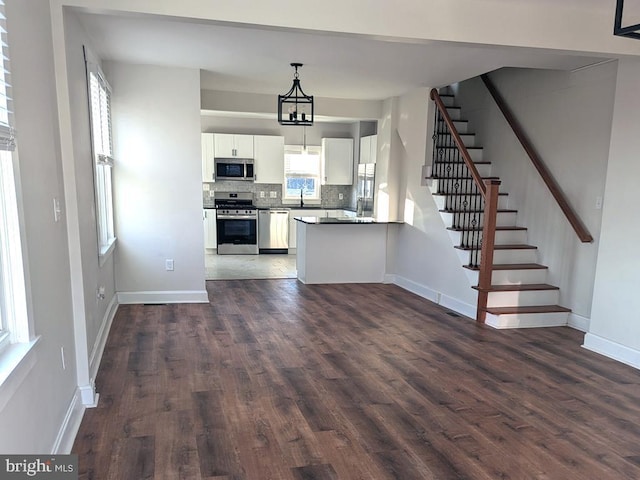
102, 144
302, 170
14, 324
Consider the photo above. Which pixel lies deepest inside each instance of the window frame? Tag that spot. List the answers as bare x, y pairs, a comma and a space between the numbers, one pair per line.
99, 104
314, 150
17, 337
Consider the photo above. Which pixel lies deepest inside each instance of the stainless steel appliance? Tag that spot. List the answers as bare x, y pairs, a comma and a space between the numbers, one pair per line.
273, 230
236, 223
234, 169
366, 188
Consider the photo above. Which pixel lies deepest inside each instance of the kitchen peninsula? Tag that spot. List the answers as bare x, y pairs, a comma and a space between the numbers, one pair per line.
342, 249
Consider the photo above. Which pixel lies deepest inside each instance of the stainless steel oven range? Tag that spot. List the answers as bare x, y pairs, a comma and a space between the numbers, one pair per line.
236, 223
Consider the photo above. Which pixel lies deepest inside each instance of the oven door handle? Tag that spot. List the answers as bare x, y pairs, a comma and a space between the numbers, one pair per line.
236, 217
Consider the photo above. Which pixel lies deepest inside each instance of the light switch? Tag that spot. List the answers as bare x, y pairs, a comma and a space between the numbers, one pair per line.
206, 187
262, 195
273, 194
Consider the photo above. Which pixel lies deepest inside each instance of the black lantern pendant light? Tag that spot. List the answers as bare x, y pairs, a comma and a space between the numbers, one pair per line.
295, 107
631, 31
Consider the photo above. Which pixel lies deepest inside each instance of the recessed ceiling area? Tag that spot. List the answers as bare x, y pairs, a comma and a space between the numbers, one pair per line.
251, 59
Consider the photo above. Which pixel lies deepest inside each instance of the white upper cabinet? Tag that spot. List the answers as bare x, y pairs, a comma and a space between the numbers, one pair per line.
369, 149
228, 145
208, 163
269, 159
337, 161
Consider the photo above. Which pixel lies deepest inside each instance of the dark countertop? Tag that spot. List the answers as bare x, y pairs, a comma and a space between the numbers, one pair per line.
340, 220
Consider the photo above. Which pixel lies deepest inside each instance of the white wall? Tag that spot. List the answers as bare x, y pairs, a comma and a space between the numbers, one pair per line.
615, 329
567, 117
158, 183
33, 411
96, 312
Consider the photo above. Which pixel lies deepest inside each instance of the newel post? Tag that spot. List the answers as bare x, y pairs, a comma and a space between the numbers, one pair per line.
488, 243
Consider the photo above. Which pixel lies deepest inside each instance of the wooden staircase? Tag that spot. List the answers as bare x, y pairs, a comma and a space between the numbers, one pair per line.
519, 295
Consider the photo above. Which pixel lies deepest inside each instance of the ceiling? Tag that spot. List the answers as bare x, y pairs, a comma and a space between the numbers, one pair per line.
251, 59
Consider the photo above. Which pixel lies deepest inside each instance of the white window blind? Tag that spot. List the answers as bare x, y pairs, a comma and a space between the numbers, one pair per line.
302, 170
14, 322
7, 135
102, 144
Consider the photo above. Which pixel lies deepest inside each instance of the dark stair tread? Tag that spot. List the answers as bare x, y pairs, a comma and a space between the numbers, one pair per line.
479, 229
462, 163
500, 210
504, 246
464, 194
527, 309
470, 178
511, 266
454, 146
521, 287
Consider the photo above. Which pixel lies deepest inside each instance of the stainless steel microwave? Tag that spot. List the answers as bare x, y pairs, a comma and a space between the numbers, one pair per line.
234, 169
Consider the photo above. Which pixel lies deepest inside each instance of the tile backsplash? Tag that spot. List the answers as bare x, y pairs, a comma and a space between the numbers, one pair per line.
330, 194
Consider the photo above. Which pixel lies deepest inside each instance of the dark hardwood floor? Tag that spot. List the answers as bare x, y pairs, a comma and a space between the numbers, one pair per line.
279, 380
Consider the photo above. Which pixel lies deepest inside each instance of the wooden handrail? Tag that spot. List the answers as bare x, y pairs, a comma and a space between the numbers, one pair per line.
552, 185
456, 138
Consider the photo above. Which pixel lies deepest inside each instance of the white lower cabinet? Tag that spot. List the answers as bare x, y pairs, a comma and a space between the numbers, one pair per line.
210, 233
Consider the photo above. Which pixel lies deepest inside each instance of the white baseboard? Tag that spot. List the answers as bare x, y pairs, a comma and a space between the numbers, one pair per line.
184, 296
418, 289
70, 426
101, 339
613, 350
579, 322
436, 297
458, 306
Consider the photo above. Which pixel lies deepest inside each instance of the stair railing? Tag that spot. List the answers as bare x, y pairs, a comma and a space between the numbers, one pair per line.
472, 201
552, 185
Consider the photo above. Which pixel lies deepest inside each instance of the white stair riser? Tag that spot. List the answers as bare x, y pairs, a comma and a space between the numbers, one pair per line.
518, 277
461, 127
503, 219
455, 113
523, 298
503, 237
461, 170
476, 154
527, 320
441, 201
468, 139
502, 256
448, 101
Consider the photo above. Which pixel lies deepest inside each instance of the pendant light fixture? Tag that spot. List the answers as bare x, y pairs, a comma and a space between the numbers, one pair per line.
295, 107
630, 31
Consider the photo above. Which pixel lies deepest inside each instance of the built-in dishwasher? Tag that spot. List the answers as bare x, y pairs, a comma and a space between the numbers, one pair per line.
273, 230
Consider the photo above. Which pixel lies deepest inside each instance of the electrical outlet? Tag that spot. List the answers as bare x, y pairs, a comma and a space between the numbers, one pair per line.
340, 196
168, 264
273, 194
598, 203
262, 195
206, 187
212, 193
